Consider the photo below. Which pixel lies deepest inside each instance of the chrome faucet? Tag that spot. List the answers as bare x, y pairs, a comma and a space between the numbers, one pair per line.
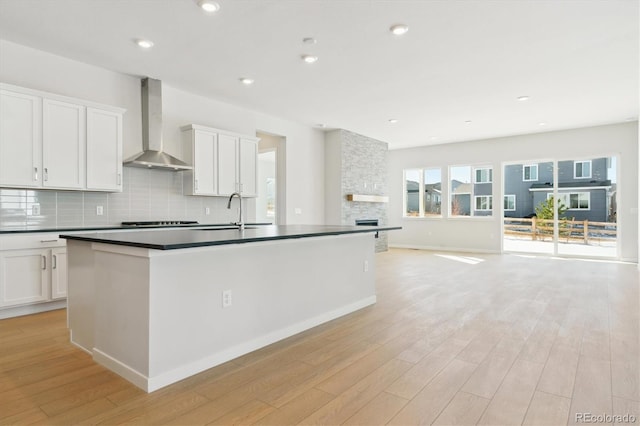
239, 223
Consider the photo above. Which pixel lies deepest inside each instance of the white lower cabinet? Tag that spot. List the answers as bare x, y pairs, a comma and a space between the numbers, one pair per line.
25, 278
59, 273
32, 270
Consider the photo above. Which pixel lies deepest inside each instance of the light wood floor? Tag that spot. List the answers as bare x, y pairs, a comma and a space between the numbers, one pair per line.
453, 339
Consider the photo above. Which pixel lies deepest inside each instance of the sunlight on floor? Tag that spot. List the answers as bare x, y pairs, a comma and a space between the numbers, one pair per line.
464, 259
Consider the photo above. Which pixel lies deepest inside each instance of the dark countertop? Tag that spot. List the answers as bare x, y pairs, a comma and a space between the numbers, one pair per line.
115, 227
172, 239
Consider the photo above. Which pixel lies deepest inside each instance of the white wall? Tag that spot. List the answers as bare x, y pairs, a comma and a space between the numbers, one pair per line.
483, 234
24, 66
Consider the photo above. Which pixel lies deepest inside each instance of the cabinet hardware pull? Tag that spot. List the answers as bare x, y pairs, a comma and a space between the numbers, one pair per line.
119, 178
35, 173
48, 241
44, 262
55, 262
196, 182
46, 174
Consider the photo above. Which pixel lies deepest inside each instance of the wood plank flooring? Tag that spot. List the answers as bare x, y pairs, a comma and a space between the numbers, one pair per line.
457, 339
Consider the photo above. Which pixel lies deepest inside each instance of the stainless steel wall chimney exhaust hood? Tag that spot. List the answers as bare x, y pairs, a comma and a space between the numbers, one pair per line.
153, 156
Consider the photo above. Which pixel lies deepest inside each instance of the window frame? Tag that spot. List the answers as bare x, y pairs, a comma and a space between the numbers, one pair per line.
514, 203
566, 196
421, 213
488, 197
530, 166
480, 169
575, 169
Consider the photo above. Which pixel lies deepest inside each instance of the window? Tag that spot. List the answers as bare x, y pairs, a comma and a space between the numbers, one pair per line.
460, 188
582, 169
510, 202
432, 192
484, 203
530, 172
484, 175
412, 185
574, 200
423, 192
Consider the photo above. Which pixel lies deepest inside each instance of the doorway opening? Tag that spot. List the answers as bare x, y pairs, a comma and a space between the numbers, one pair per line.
270, 203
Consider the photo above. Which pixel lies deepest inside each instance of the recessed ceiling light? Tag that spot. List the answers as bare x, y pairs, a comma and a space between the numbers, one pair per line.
145, 44
522, 98
393, 120
399, 29
433, 138
467, 122
309, 40
542, 123
209, 6
310, 59
246, 81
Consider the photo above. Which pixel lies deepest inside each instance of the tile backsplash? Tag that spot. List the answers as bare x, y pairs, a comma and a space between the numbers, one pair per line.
147, 194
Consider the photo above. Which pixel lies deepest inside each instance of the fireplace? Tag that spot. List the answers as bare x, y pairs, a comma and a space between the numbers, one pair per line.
367, 222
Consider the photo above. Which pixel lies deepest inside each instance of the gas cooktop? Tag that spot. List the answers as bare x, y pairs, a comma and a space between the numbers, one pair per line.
161, 223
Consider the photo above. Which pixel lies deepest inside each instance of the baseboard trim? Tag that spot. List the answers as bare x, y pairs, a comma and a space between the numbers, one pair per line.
18, 311
150, 384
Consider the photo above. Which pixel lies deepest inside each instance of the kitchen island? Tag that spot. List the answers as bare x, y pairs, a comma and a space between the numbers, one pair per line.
159, 306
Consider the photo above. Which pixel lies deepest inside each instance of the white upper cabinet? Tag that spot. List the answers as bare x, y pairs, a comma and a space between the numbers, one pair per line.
248, 163
63, 144
199, 150
20, 139
223, 162
104, 150
227, 164
52, 141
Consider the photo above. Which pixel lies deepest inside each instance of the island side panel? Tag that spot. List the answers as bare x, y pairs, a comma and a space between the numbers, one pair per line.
81, 293
122, 311
279, 288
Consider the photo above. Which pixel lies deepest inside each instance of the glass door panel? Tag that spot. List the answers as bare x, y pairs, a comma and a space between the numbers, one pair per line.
528, 207
587, 217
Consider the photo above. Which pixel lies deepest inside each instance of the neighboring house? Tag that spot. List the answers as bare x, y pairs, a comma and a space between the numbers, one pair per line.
432, 198
583, 188
460, 198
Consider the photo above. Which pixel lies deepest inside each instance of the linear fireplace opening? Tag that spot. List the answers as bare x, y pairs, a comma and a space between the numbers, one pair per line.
367, 222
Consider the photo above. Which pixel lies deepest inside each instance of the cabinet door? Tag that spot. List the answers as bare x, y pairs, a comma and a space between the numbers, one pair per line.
23, 277
59, 273
227, 164
248, 167
204, 178
20, 139
104, 150
64, 141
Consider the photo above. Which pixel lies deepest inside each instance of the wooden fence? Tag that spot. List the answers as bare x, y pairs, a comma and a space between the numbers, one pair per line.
569, 230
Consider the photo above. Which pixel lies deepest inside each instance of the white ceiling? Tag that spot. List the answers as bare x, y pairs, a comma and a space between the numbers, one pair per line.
461, 60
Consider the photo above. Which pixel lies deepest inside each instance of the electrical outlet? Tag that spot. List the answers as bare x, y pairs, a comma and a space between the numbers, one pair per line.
35, 209
366, 266
226, 298
99, 210
207, 211
297, 210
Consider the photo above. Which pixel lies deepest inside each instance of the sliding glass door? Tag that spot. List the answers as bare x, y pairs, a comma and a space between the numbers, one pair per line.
565, 207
